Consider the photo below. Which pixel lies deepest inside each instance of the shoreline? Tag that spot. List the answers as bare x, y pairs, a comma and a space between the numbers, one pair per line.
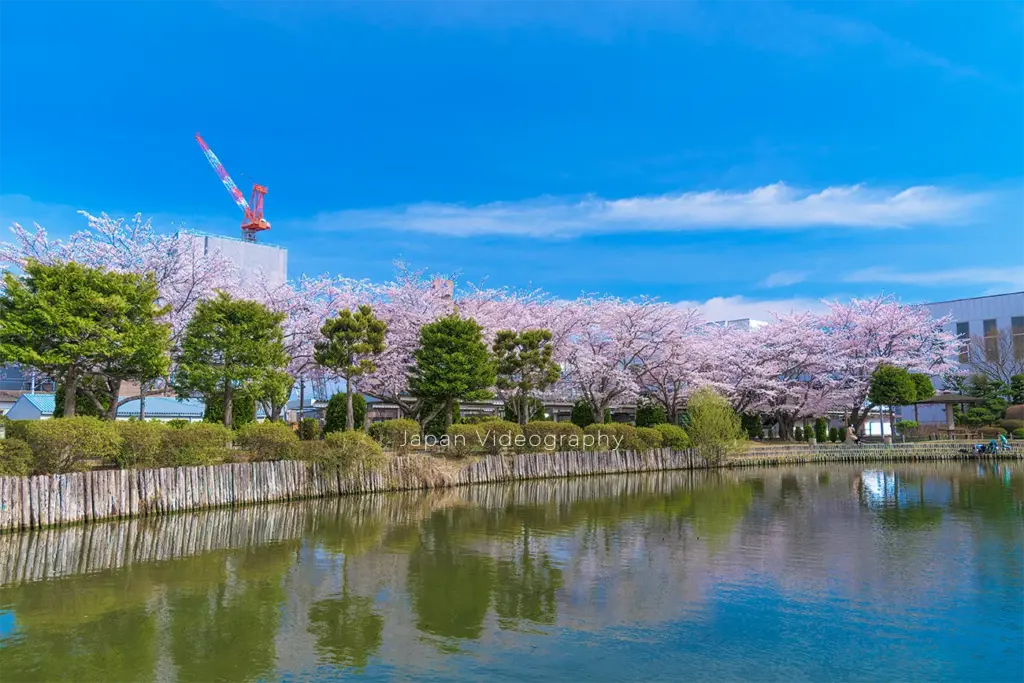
66, 499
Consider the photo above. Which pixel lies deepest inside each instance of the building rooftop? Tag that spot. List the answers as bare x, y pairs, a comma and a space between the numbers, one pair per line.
44, 402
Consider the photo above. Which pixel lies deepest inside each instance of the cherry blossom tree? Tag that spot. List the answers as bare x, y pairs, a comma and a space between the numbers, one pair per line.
867, 333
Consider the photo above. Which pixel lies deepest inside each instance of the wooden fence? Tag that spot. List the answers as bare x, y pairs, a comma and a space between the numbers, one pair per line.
54, 500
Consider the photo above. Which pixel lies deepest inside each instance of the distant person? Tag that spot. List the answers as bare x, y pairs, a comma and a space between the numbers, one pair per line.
851, 436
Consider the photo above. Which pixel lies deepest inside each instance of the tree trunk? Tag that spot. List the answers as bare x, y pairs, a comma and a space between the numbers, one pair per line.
142, 402
70, 392
597, 412
115, 396
302, 400
524, 403
228, 416
448, 407
350, 417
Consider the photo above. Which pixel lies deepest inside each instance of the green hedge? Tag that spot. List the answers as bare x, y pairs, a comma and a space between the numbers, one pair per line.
15, 458
552, 436
395, 435
348, 449
197, 443
1018, 433
1011, 426
614, 435
991, 431
66, 444
309, 429
492, 437
141, 443
649, 438
268, 441
673, 436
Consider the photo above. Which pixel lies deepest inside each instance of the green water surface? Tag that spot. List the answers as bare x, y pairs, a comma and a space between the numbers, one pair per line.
812, 573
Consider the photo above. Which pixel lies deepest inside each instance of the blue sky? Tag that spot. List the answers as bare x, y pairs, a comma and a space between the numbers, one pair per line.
743, 156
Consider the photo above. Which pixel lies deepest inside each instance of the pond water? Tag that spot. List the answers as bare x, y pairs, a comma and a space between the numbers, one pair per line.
812, 573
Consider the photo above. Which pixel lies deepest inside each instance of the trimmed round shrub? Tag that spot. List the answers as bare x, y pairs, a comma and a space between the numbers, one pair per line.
798, 434
833, 434
197, 443
1012, 425
649, 437
15, 458
176, 423
821, 430
267, 441
543, 435
611, 436
65, 444
140, 443
351, 448
309, 429
1015, 412
465, 439
336, 414
649, 413
673, 436
991, 431
1018, 433
500, 435
395, 435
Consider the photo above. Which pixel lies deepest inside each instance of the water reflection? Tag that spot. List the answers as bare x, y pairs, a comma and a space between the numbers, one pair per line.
424, 583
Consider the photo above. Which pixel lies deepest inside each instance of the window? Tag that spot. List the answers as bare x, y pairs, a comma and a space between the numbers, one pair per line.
963, 331
991, 340
1017, 326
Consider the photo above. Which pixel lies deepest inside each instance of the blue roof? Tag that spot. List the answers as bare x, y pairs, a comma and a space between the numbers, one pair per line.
157, 406
44, 402
160, 406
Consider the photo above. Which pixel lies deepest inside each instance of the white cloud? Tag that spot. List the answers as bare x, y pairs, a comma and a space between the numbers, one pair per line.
777, 206
739, 307
1013, 276
784, 278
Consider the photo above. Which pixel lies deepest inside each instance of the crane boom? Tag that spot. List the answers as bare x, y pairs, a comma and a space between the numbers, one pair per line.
222, 173
253, 221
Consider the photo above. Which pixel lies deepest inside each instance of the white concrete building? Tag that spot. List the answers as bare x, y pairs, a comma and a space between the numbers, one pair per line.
986, 317
249, 257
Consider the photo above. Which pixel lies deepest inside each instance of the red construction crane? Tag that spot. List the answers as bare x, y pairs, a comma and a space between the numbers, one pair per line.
253, 221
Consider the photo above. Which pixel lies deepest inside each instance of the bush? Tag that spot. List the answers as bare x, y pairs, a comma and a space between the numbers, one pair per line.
337, 411
583, 416
268, 441
808, 433
714, 425
798, 434
351, 448
543, 435
906, 427
15, 458
395, 435
673, 436
1015, 412
464, 439
649, 413
614, 436
309, 429
751, 424
140, 443
649, 438
18, 429
492, 437
991, 431
821, 429
196, 443
1018, 433
63, 445
176, 423
1012, 425
833, 434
